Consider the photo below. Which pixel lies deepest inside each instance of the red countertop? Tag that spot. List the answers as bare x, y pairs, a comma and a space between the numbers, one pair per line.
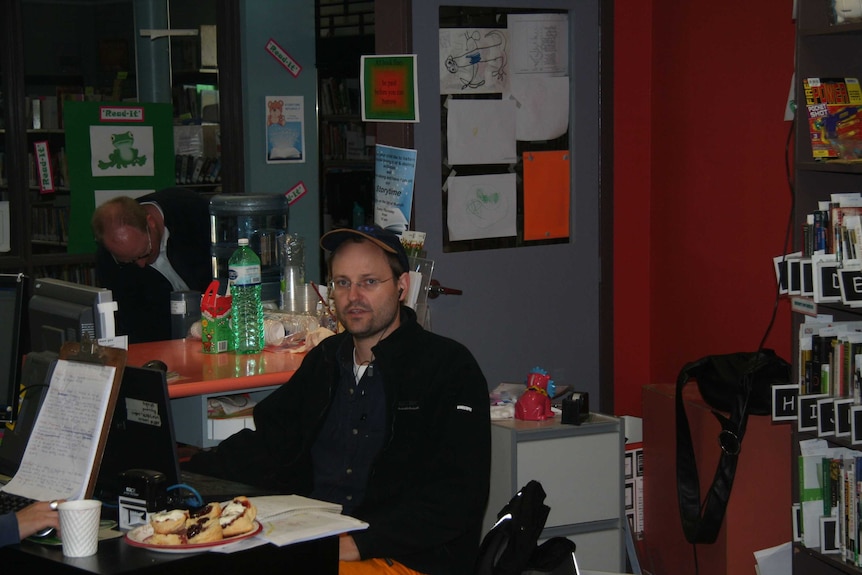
193, 372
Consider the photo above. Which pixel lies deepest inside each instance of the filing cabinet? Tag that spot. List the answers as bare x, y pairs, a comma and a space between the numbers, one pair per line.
581, 469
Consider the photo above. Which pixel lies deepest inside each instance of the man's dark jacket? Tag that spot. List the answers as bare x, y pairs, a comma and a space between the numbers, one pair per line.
144, 294
428, 488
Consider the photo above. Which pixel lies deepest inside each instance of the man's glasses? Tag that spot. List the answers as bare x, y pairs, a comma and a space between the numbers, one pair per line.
366, 285
140, 257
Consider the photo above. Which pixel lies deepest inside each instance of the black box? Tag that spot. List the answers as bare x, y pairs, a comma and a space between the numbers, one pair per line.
576, 409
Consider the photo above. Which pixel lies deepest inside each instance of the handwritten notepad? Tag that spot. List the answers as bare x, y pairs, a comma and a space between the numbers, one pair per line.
60, 456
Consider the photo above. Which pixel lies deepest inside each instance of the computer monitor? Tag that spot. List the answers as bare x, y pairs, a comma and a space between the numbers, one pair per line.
141, 435
62, 311
12, 289
35, 379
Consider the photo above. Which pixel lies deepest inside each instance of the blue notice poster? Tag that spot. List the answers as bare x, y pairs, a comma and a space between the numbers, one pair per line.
394, 174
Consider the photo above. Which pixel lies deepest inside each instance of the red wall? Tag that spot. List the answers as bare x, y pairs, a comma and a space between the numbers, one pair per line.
701, 200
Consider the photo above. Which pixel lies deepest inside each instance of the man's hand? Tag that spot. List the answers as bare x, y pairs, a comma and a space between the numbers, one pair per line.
36, 517
347, 549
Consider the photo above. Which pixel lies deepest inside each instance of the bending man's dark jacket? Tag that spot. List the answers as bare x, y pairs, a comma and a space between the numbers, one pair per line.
428, 488
144, 294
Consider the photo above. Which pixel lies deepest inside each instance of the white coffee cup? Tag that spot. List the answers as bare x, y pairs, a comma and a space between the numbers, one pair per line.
79, 527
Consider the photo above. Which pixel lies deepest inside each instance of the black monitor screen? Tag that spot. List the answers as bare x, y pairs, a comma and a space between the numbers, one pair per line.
12, 288
142, 432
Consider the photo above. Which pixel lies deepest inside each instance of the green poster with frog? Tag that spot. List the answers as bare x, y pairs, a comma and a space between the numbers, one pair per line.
114, 148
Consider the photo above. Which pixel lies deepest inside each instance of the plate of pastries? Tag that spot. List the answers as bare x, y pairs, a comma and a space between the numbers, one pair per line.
192, 530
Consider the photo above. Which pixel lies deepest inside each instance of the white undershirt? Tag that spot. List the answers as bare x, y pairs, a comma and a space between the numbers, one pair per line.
163, 264
358, 369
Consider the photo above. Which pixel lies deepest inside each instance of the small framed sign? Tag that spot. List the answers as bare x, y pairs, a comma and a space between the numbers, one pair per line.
807, 417
794, 276
827, 287
842, 417
856, 424
826, 417
829, 535
797, 522
784, 399
850, 282
807, 277
781, 276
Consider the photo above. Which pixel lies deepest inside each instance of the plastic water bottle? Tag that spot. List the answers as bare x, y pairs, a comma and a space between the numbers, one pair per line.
247, 310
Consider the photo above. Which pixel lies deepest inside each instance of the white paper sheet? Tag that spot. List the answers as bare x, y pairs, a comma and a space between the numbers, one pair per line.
775, 560
306, 525
542, 106
58, 461
473, 60
539, 43
481, 132
481, 207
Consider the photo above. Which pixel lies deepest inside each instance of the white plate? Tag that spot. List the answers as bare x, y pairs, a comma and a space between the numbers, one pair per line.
138, 535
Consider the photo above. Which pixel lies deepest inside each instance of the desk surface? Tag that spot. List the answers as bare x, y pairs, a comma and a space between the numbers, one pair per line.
116, 557
200, 373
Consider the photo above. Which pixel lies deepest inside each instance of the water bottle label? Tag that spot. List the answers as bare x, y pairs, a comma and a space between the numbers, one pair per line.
244, 275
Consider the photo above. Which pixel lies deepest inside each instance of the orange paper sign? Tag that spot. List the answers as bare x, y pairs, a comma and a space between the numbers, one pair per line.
546, 195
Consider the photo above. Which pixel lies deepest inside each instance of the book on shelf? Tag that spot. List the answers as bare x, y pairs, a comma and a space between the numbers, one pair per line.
192, 170
824, 226
830, 491
830, 358
834, 108
345, 141
339, 96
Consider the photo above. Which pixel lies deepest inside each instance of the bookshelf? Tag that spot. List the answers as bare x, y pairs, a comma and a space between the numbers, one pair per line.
823, 50
52, 52
195, 95
345, 32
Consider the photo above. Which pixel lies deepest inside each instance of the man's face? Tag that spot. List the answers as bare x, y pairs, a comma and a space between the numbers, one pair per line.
366, 311
130, 245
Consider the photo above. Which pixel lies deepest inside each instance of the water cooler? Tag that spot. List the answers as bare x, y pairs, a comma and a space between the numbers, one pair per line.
260, 218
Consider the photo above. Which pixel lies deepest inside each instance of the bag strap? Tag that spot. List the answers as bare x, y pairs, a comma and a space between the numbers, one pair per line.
701, 523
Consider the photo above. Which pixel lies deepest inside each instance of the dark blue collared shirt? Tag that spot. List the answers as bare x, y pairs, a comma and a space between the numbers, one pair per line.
353, 434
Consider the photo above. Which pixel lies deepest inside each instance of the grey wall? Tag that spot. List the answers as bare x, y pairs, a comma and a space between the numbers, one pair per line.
527, 306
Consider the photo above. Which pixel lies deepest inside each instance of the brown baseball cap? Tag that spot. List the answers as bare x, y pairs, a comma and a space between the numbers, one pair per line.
386, 240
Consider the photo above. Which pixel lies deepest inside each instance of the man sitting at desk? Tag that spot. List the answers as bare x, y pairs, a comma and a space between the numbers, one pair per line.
387, 419
148, 248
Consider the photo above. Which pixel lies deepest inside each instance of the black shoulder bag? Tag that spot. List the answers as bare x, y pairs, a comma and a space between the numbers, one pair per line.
511, 546
739, 384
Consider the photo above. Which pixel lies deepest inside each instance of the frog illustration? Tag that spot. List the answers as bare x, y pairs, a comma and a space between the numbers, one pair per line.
124, 154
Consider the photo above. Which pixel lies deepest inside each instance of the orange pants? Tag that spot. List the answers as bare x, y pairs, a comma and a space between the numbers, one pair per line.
374, 567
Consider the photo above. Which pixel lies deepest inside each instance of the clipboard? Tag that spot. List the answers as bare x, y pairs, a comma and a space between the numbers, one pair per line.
88, 351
